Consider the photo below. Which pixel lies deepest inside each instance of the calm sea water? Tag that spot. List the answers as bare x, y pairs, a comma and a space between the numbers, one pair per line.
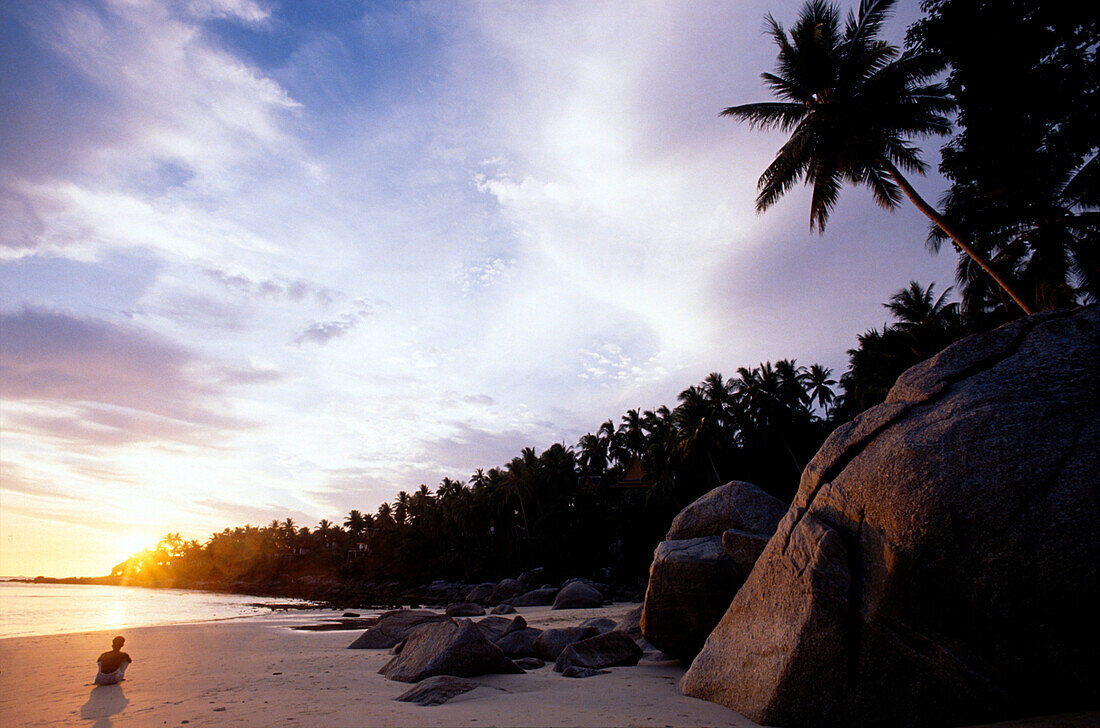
38, 609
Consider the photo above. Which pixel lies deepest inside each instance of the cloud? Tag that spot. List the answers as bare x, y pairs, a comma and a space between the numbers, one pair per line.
239, 514
483, 274
608, 363
245, 10
19, 480
322, 332
153, 124
107, 384
277, 288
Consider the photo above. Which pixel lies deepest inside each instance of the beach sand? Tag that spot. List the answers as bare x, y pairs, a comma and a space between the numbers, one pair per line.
259, 672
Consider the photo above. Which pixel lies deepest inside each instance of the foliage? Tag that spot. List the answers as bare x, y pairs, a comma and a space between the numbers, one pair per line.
1025, 178
851, 103
923, 325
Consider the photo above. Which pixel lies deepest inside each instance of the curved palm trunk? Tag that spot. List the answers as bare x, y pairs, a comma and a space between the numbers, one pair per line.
942, 224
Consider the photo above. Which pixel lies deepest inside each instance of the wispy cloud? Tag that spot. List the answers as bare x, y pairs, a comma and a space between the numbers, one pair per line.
322, 332
106, 384
294, 290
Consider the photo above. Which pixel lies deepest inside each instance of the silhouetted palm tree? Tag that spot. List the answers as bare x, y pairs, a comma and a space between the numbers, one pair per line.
593, 454
914, 307
355, 523
699, 422
631, 433
819, 383
851, 103
401, 508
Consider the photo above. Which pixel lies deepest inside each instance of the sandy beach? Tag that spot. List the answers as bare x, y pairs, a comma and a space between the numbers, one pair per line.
259, 672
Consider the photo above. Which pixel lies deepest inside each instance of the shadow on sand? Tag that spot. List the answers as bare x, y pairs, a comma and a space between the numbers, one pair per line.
103, 702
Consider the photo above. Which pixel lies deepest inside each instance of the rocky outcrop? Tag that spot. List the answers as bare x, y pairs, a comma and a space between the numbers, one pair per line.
503, 609
938, 565
695, 573
610, 649
393, 628
437, 690
578, 595
447, 648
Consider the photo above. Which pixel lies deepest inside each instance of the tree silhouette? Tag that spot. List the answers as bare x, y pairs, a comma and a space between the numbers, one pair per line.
851, 103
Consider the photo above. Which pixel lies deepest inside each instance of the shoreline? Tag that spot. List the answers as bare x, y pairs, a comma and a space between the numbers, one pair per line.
41, 610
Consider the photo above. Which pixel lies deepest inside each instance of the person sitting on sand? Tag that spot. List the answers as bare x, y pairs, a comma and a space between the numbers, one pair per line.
113, 664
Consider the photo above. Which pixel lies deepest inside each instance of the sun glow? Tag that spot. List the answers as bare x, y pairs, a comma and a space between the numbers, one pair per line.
130, 544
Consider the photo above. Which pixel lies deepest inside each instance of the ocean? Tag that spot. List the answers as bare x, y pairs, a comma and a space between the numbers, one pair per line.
41, 609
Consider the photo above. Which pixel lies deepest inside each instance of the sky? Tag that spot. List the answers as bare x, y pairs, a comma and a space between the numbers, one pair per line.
265, 259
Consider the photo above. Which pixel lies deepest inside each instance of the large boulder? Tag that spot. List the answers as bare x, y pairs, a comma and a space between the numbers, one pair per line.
610, 649
736, 504
447, 648
551, 642
695, 573
691, 583
496, 627
480, 594
393, 628
600, 624
465, 609
541, 597
578, 595
631, 623
939, 563
506, 589
520, 643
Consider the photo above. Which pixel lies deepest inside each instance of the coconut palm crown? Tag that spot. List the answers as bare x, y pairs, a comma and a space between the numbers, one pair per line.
851, 103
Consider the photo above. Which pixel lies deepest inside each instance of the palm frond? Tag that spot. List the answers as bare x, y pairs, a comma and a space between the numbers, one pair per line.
883, 188
1083, 187
826, 179
788, 89
788, 167
868, 24
768, 115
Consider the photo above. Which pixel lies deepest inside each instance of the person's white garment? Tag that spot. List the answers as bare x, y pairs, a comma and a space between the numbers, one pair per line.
110, 678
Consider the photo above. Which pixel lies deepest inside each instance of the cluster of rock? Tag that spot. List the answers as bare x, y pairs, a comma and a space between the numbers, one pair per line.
573, 594
939, 563
442, 652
